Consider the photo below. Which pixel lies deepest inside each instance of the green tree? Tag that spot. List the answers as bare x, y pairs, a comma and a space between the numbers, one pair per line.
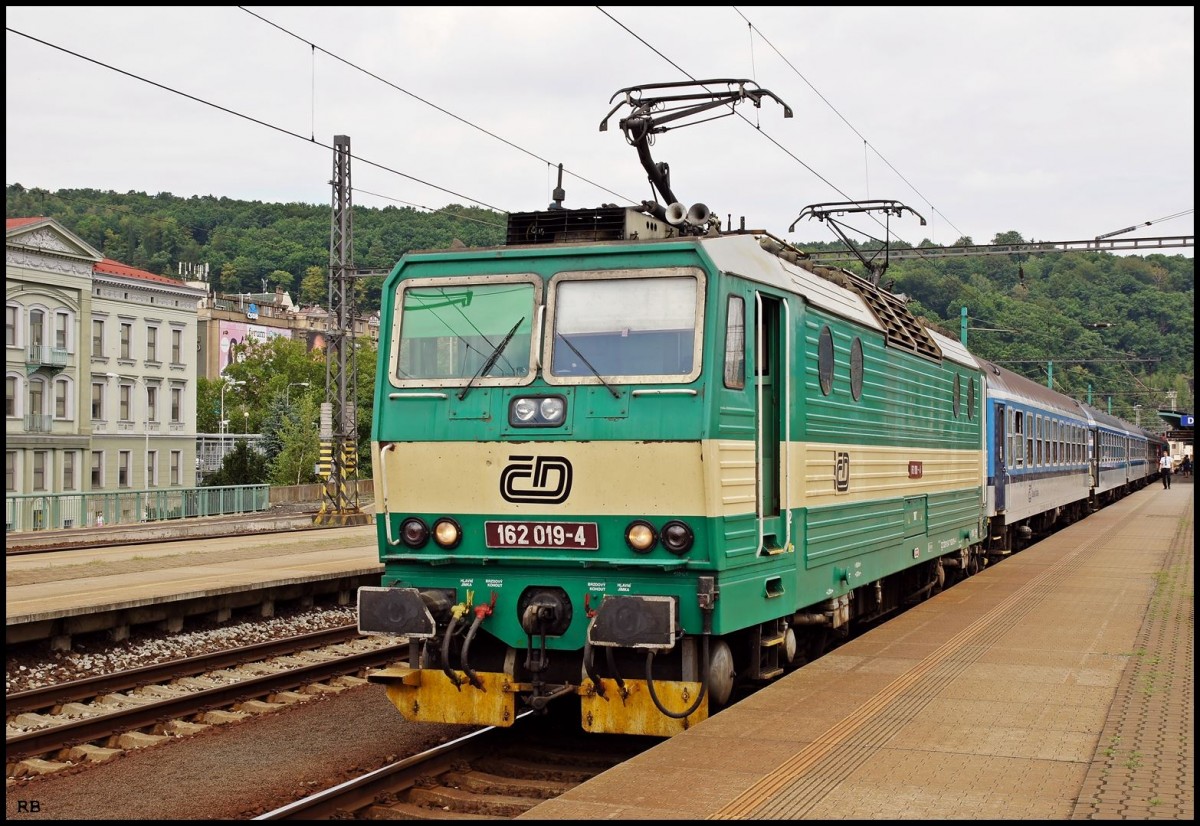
314, 287
208, 405
299, 444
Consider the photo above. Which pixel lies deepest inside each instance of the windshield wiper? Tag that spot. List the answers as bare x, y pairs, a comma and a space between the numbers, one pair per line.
583, 358
491, 360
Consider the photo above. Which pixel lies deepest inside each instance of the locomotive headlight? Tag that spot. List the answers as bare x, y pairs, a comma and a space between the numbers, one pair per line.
677, 537
414, 533
446, 532
537, 411
640, 536
523, 410
552, 409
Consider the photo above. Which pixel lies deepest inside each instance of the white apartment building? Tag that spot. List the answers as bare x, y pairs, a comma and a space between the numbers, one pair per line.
100, 369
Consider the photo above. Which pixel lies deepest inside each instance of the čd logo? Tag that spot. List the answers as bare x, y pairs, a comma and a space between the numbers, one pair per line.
544, 480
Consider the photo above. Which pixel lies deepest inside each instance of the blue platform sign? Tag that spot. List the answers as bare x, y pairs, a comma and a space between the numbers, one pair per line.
1187, 420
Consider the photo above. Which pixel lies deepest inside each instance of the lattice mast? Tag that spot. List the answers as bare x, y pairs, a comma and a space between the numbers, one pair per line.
339, 428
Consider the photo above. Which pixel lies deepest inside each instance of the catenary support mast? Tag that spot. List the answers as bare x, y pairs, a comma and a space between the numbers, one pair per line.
339, 428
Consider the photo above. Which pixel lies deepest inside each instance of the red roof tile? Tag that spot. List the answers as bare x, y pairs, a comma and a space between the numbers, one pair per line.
13, 223
112, 267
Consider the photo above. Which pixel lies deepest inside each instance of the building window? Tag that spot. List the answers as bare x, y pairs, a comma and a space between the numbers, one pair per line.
10, 471
125, 413
68, 482
152, 468
152, 344
60, 399
177, 346
10, 396
37, 392
176, 404
123, 462
151, 403
176, 465
126, 338
98, 401
37, 325
39, 470
97, 337
97, 469
12, 316
62, 329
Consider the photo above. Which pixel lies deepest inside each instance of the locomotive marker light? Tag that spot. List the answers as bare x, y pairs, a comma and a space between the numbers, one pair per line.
414, 532
677, 537
640, 536
447, 533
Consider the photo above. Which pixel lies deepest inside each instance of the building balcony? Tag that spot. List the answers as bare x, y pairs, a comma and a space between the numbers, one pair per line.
38, 422
42, 355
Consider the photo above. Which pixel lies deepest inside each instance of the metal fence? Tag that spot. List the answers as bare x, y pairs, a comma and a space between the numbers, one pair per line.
42, 512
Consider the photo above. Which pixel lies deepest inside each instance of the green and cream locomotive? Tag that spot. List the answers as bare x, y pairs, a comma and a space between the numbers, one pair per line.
632, 460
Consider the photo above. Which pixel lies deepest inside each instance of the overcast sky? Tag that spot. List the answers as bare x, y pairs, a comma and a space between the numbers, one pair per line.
1058, 123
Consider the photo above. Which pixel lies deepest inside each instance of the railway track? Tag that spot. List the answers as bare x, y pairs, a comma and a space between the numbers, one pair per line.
177, 697
491, 774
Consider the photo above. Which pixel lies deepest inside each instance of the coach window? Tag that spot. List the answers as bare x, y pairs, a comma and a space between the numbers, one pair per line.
1031, 441
1014, 437
971, 398
825, 361
735, 343
856, 368
957, 393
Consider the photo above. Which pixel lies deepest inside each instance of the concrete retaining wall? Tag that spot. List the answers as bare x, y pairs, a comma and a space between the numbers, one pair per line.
294, 494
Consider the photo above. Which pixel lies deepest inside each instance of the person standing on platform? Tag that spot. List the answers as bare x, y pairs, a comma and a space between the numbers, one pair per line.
1185, 467
1164, 468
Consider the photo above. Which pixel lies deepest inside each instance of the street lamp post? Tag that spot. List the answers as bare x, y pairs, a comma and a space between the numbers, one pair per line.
287, 391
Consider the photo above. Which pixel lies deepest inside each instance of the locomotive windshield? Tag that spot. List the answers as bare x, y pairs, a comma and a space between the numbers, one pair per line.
631, 327
465, 332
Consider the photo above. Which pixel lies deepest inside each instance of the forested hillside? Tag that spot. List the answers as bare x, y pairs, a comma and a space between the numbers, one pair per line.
1119, 325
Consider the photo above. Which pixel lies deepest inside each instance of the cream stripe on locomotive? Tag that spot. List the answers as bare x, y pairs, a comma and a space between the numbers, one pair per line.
866, 473
590, 478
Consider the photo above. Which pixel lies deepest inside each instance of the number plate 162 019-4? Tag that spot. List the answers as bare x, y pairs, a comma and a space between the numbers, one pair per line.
578, 536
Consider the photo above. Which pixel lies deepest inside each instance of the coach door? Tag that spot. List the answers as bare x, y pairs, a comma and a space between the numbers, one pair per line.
772, 429
999, 450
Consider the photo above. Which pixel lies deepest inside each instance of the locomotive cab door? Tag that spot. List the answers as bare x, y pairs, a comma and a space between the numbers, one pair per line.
772, 432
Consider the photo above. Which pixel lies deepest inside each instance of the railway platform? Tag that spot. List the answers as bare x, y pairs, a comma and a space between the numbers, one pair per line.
1057, 685
111, 588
